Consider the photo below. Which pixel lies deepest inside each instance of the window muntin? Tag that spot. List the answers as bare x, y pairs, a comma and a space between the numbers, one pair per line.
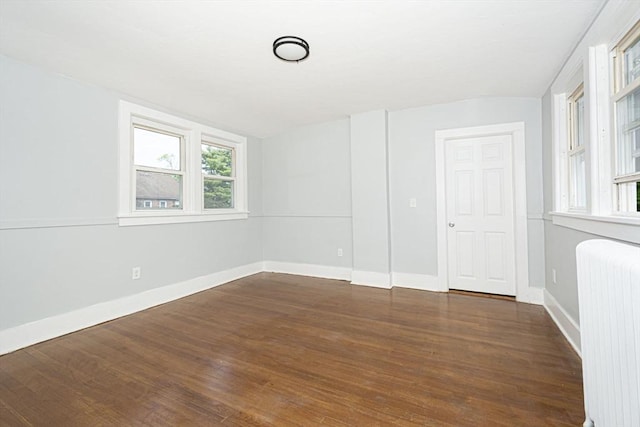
576, 150
626, 101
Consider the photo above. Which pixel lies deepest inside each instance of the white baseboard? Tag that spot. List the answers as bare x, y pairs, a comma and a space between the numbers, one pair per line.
313, 270
41, 330
565, 322
371, 278
532, 296
423, 282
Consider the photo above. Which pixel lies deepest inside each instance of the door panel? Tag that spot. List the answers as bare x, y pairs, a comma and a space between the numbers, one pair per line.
480, 212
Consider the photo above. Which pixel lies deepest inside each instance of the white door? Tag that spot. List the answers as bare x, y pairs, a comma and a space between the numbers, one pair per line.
480, 214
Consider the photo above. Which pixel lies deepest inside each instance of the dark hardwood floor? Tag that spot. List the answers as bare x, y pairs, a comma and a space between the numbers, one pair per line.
275, 349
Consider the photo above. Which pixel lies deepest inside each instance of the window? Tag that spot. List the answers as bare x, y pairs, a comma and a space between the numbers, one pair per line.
158, 164
217, 175
176, 170
626, 102
576, 150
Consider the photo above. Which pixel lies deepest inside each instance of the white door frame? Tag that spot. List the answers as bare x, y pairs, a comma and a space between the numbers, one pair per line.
516, 130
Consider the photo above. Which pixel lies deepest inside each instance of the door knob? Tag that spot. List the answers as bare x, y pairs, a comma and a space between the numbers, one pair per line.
452, 224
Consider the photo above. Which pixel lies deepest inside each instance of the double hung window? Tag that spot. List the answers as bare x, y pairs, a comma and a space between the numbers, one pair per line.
626, 101
576, 150
177, 170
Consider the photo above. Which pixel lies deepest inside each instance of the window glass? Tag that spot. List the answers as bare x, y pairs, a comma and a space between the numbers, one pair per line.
218, 194
632, 63
217, 160
578, 122
155, 149
578, 184
628, 123
156, 186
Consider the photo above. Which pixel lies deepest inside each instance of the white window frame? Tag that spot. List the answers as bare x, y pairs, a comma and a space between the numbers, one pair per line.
214, 142
161, 203
601, 216
192, 133
620, 90
145, 202
574, 150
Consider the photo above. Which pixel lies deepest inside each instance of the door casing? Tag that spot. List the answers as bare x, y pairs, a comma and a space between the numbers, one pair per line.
516, 130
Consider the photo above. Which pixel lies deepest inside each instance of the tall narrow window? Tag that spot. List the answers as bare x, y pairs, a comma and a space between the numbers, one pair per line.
218, 175
626, 100
576, 151
157, 158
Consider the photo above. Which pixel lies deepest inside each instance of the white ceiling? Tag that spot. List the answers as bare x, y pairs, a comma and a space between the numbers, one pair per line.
213, 59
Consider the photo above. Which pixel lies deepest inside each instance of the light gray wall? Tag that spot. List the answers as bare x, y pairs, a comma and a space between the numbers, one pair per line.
412, 174
58, 169
370, 192
560, 254
307, 195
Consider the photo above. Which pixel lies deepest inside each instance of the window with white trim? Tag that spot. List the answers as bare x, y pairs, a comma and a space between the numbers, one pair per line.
218, 174
176, 170
576, 150
626, 104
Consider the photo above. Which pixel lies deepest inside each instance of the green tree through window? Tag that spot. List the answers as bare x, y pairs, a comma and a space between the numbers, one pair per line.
217, 164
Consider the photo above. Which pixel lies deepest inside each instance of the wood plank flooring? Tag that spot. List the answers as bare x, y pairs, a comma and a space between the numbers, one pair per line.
284, 350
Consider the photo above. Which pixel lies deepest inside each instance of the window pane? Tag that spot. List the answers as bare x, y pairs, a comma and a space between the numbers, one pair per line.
156, 149
218, 194
578, 184
632, 62
628, 109
578, 122
154, 188
217, 160
629, 197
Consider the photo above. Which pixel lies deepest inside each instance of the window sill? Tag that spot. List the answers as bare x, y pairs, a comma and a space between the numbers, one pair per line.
178, 218
616, 227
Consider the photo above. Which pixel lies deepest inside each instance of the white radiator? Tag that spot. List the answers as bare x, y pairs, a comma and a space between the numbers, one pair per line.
609, 294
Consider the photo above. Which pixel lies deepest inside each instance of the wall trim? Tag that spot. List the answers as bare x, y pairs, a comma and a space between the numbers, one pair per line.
13, 224
615, 227
569, 327
313, 270
371, 278
423, 282
31, 333
51, 327
532, 295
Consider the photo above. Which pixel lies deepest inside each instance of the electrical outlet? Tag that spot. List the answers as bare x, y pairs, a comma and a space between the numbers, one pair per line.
136, 273
553, 274
339, 251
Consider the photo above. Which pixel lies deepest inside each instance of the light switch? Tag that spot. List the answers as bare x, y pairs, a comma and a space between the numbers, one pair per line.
412, 202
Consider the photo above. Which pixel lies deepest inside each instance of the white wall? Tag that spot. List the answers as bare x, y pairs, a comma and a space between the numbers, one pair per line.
306, 195
60, 246
412, 175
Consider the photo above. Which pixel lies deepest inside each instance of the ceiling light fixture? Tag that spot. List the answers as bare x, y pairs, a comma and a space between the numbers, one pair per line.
291, 48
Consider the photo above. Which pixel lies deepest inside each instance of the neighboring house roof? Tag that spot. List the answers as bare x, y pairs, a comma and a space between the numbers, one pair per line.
157, 186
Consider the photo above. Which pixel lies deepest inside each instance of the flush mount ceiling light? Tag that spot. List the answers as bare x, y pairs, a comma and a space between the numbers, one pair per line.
291, 48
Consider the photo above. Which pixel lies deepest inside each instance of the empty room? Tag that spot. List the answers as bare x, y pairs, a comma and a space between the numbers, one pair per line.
303, 213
